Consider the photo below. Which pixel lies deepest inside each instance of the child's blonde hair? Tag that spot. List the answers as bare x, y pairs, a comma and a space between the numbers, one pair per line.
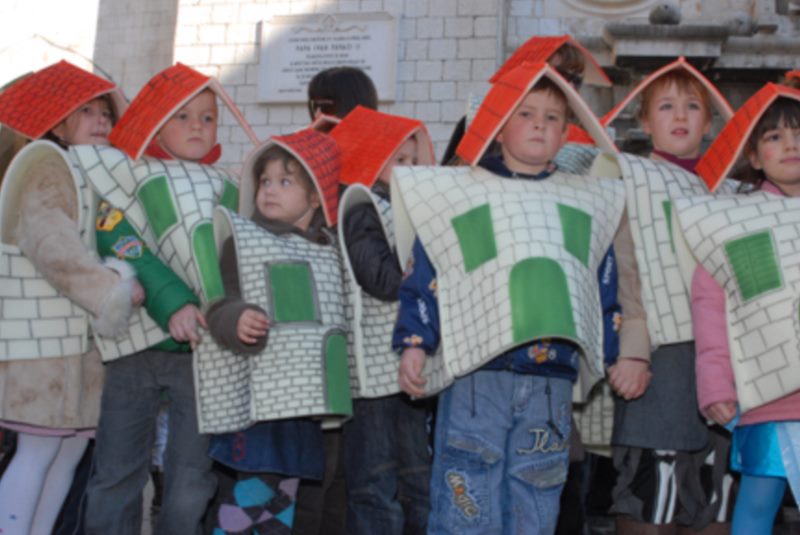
685, 82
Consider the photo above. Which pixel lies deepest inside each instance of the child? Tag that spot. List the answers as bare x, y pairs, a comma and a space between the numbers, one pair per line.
660, 447
290, 188
387, 463
739, 329
176, 114
502, 428
338, 90
50, 381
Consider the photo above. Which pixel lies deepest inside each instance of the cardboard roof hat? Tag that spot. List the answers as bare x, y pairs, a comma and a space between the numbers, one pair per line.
720, 157
37, 103
717, 99
162, 96
504, 97
318, 154
368, 139
541, 49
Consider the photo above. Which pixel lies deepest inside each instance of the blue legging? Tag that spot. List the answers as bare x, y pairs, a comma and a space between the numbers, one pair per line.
757, 504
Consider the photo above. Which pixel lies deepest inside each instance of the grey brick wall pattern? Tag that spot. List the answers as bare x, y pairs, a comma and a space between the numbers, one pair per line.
36, 320
575, 159
373, 364
474, 308
764, 331
195, 189
595, 418
287, 379
648, 183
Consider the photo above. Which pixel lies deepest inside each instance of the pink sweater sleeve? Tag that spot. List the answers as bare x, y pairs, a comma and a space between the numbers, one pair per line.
715, 381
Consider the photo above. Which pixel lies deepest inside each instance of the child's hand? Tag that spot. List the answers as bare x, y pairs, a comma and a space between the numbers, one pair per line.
183, 325
629, 378
722, 412
252, 325
410, 374
137, 295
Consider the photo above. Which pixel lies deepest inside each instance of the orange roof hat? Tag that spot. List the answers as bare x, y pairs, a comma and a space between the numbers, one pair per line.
166, 93
368, 139
723, 153
719, 101
792, 75
37, 103
504, 97
541, 49
316, 152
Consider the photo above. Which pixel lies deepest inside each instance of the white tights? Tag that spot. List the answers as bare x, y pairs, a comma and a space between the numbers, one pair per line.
36, 482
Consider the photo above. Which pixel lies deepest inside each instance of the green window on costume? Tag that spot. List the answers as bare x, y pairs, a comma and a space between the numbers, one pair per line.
292, 291
755, 264
337, 375
230, 196
540, 300
159, 205
576, 227
475, 236
667, 206
207, 261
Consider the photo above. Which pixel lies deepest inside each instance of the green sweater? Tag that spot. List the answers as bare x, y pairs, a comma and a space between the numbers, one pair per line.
165, 292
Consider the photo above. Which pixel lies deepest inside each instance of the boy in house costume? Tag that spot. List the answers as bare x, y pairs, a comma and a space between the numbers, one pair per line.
387, 464
510, 288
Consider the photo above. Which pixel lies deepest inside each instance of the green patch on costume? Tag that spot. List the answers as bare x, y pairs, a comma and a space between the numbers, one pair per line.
159, 206
475, 233
337, 375
667, 206
576, 227
230, 196
755, 264
292, 292
205, 256
540, 300
128, 247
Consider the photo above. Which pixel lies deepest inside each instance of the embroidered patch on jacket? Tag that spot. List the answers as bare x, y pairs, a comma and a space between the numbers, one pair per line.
433, 286
107, 217
462, 499
617, 320
128, 247
412, 341
540, 353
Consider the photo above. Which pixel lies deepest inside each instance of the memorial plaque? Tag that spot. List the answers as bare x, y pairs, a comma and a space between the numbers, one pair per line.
295, 47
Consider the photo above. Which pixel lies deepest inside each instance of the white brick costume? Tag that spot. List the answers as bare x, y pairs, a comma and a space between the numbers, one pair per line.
303, 370
499, 246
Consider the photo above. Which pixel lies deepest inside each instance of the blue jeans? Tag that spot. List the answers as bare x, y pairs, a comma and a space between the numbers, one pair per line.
501, 454
125, 437
387, 466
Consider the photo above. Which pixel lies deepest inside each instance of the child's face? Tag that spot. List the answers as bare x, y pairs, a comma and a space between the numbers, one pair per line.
88, 125
534, 133
405, 155
282, 196
192, 131
676, 122
778, 155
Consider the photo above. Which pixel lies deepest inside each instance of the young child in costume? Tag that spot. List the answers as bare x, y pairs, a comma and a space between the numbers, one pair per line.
387, 463
513, 306
168, 201
289, 196
744, 300
660, 443
50, 373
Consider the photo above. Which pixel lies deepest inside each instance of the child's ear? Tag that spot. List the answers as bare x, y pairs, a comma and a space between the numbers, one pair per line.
314, 200
58, 130
707, 127
644, 122
755, 163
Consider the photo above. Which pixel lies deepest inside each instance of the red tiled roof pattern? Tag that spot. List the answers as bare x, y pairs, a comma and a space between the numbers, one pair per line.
368, 139
37, 103
156, 102
534, 50
321, 156
576, 134
720, 157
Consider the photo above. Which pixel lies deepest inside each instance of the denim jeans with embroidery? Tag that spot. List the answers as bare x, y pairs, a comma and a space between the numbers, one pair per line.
387, 466
501, 454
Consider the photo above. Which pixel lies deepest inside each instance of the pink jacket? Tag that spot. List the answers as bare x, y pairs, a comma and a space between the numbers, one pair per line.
715, 381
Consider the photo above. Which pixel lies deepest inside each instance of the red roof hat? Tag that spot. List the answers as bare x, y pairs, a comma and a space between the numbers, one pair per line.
504, 97
723, 153
319, 155
40, 101
719, 101
368, 139
165, 93
540, 49
792, 75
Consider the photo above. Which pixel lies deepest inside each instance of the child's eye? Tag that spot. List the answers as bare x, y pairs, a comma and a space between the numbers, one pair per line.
553, 117
666, 106
209, 118
772, 135
694, 105
525, 114
286, 182
181, 115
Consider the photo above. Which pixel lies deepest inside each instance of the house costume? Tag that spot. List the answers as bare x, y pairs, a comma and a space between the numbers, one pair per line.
646, 443
505, 292
169, 203
387, 461
739, 253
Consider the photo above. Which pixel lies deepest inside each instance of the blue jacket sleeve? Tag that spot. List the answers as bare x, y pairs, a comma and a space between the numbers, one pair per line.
418, 316
612, 311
